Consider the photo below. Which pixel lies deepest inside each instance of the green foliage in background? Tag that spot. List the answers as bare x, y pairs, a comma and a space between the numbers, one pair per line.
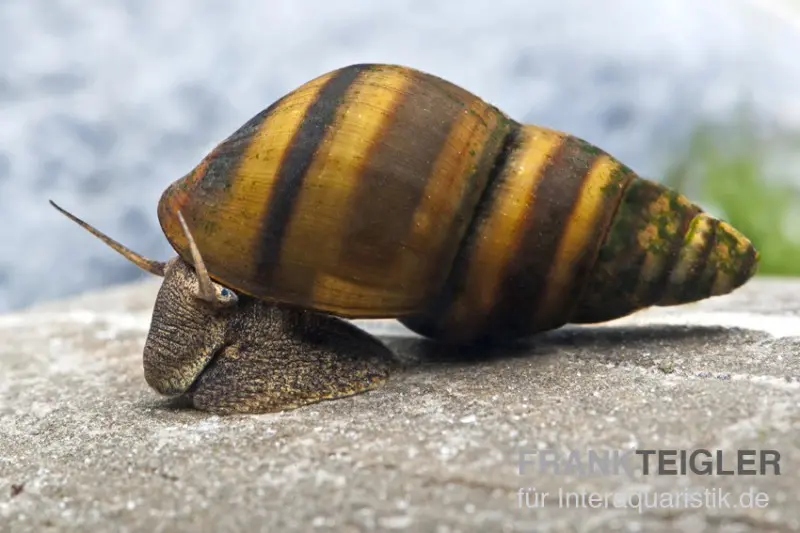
746, 179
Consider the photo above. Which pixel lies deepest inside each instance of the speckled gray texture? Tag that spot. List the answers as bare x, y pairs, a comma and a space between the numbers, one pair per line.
86, 446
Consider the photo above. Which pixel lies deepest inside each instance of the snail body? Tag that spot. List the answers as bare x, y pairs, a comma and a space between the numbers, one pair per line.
380, 191
228, 353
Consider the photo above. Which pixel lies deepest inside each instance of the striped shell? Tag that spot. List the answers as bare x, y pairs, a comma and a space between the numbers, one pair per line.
379, 191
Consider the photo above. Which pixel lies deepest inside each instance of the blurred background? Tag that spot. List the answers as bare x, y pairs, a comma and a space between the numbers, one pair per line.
104, 103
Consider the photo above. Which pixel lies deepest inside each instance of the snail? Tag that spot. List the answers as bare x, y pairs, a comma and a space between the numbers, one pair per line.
381, 191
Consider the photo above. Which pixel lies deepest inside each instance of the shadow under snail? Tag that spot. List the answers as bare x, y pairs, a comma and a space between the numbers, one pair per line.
380, 191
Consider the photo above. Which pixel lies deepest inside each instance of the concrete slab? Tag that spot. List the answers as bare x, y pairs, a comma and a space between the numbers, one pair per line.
85, 445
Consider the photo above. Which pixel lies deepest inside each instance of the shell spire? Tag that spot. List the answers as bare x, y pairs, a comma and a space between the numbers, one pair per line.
663, 250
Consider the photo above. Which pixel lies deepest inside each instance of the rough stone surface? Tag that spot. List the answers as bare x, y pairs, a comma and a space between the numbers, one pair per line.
86, 446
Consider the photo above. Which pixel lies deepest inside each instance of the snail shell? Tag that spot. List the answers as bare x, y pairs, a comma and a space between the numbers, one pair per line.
379, 191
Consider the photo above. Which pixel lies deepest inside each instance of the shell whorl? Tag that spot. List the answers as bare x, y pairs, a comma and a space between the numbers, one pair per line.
349, 195
568, 234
